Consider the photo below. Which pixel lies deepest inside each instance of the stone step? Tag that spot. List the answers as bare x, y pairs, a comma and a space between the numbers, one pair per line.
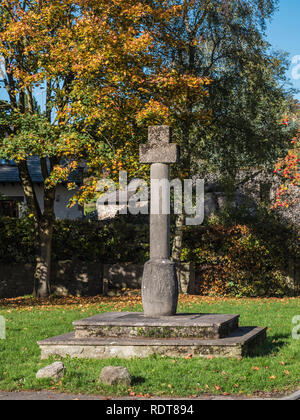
135, 324
238, 344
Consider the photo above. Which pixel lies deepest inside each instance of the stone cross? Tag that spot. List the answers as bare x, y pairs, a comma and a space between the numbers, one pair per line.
160, 285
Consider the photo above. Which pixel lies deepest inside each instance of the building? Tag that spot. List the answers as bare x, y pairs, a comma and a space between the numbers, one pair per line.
12, 198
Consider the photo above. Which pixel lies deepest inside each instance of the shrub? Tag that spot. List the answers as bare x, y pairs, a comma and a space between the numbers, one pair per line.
110, 242
235, 254
241, 259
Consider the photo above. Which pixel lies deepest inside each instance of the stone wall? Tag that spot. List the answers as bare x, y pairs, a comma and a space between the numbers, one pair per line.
121, 276
67, 278
78, 278
129, 276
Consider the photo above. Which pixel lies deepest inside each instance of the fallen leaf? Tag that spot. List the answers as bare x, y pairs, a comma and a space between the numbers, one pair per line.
189, 356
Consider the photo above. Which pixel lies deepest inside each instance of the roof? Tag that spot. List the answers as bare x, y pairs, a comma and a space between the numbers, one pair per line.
9, 171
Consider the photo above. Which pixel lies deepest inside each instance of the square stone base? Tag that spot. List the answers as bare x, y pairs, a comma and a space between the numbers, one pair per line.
136, 324
127, 335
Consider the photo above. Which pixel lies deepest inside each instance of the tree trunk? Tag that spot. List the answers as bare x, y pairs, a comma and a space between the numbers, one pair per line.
42, 273
42, 286
177, 242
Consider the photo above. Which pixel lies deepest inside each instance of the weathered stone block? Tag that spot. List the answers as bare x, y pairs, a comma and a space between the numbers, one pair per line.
159, 148
130, 325
159, 134
160, 288
238, 344
55, 371
162, 154
115, 375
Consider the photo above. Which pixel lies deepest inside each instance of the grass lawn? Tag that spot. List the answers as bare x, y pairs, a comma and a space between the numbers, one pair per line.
276, 370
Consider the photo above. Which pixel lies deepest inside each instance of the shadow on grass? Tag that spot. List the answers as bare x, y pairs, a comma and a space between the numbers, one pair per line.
272, 346
137, 380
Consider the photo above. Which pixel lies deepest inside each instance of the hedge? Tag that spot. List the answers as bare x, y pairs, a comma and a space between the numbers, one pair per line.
93, 241
233, 256
242, 259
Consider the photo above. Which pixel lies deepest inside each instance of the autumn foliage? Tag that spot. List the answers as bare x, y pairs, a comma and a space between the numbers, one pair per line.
85, 78
231, 259
82, 83
241, 259
288, 169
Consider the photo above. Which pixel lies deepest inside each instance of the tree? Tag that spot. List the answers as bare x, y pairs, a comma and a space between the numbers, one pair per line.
138, 91
223, 42
88, 57
110, 68
288, 168
30, 128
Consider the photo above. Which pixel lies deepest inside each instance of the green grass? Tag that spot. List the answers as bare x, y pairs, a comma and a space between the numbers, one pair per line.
275, 370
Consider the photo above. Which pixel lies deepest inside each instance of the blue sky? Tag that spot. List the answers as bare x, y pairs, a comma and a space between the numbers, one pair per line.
283, 32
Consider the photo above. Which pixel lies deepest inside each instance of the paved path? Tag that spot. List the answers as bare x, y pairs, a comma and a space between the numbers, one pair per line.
46, 396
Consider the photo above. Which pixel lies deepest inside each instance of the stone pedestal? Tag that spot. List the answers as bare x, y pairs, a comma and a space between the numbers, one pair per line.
158, 330
127, 335
160, 288
160, 284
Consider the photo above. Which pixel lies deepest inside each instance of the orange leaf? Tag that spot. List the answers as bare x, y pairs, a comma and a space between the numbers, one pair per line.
189, 356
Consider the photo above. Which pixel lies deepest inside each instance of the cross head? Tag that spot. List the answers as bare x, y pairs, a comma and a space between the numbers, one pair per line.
159, 148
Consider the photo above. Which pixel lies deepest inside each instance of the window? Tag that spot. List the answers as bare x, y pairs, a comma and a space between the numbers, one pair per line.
9, 208
7, 162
